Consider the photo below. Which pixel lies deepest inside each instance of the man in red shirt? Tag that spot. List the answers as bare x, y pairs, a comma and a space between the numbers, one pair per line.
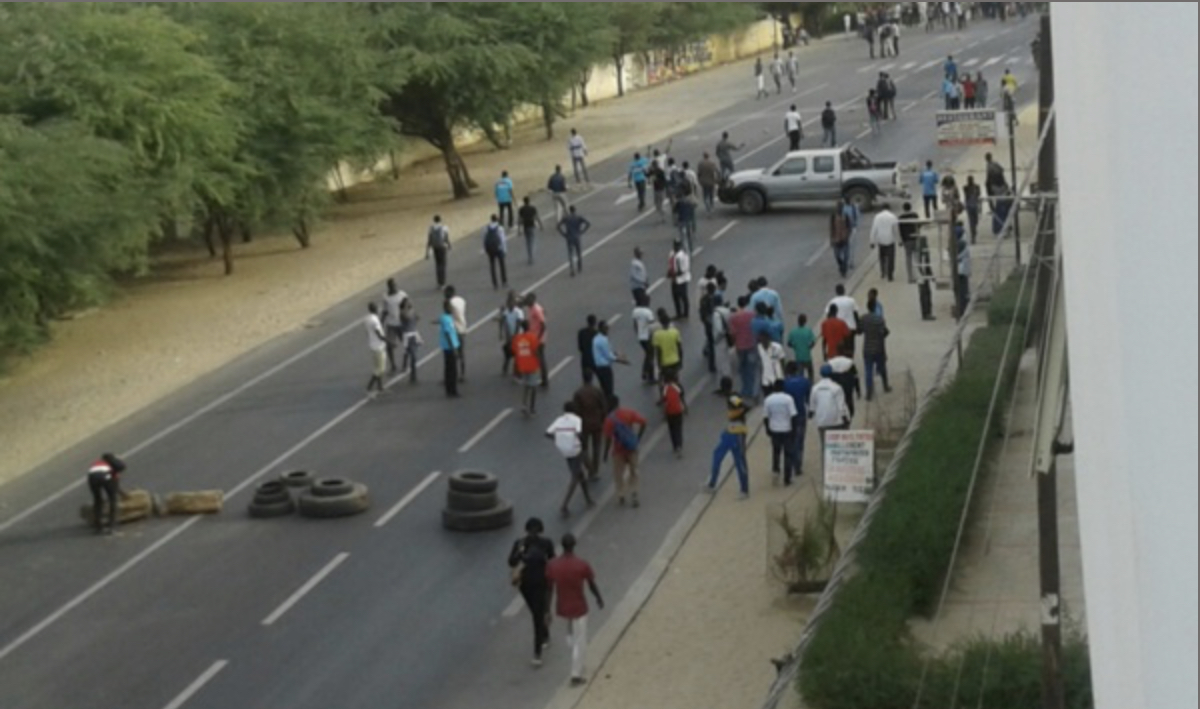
741, 326
834, 331
527, 365
567, 575
674, 405
623, 430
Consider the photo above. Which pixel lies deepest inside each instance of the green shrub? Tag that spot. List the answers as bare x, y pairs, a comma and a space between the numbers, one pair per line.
1005, 308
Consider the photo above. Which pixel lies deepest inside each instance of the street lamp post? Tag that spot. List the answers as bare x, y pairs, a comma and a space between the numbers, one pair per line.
1015, 208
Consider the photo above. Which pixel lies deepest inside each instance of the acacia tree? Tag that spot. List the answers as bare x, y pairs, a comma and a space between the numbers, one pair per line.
448, 67
631, 24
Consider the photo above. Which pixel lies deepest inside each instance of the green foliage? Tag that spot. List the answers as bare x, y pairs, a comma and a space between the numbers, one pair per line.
862, 655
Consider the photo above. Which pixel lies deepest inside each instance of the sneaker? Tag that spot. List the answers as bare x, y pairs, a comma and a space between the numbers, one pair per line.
743, 496
536, 662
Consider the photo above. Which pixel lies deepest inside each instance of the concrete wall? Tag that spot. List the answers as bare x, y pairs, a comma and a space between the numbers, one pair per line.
1127, 156
639, 74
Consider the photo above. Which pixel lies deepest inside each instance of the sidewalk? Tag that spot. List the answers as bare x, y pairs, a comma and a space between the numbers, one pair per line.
667, 660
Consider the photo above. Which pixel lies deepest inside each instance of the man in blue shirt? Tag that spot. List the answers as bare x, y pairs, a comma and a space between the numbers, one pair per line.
764, 324
951, 69
557, 185
448, 337
572, 229
604, 359
504, 198
799, 387
765, 295
929, 189
637, 178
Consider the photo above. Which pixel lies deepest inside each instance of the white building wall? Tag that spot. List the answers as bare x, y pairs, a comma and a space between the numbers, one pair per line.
1126, 78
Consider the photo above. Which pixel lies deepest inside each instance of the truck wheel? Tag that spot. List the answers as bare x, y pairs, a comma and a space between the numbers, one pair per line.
354, 503
470, 501
752, 202
861, 197
332, 487
473, 481
488, 520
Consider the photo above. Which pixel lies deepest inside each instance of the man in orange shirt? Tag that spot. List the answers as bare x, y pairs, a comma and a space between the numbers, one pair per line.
834, 331
527, 365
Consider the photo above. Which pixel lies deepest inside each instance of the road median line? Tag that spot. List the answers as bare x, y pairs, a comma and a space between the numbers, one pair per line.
305, 589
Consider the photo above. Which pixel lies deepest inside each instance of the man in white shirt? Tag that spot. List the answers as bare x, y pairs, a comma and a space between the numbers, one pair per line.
793, 124
458, 311
725, 354
847, 308
772, 355
567, 434
579, 153
827, 406
639, 278
643, 327
679, 272
393, 299
885, 234
377, 342
782, 419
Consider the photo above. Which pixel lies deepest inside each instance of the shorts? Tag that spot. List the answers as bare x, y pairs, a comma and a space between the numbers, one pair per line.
379, 361
529, 380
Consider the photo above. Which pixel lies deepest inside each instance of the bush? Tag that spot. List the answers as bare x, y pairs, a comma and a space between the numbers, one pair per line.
862, 655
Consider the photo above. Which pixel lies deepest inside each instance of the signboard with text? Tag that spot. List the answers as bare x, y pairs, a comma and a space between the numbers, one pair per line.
849, 466
971, 127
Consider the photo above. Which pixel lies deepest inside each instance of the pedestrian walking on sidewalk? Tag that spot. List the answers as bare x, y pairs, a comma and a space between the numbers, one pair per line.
827, 407
885, 235
528, 561
875, 357
973, 204
834, 332
377, 342
732, 442
568, 574
557, 186
674, 403
623, 431
458, 311
829, 125
531, 222
451, 350
535, 315
104, 482
679, 273
638, 174
741, 326
592, 408
925, 284
505, 194
438, 246
781, 418
772, 356
845, 373
724, 353
760, 80
799, 387
579, 153
847, 309
910, 231
802, 340
573, 229
567, 434
495, 245
929, 189
793, 125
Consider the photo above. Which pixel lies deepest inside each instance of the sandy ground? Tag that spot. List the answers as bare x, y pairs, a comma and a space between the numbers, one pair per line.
99, 367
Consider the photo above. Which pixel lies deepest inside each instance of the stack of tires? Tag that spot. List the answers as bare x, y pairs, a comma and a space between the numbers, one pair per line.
320, 499
272, 499
473, 504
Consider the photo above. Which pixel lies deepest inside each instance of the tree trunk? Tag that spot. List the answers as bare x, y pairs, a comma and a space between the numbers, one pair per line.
170, 229
549, 115
619, 61
247, 233
584, 79
210, 226
395, 167
456, 169
300, 231
225, 231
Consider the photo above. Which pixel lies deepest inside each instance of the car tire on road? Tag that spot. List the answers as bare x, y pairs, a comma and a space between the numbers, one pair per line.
488, 520
297, 479
356, 502
332, 487
474, 482
270, 510
752, 202
270, 493
471, 501
861, 197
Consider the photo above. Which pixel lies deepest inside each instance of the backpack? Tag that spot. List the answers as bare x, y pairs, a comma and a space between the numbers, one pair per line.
685, 188
491, 240
624, 435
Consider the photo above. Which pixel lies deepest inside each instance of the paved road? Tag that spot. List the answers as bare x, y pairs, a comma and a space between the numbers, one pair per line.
365, 613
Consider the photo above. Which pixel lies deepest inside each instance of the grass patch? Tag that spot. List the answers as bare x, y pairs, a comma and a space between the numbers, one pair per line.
863, 656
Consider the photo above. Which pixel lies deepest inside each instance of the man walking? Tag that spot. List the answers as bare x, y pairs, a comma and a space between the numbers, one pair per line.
505, 191
527, 560
639, 278
567, 575
875, 333
458, 312
799, 387
583, 340
637, 178
802, 340
438, 246
592, 408
929, 189
741, 326
668, 347
679, 273
829, 125
535, 314
793, 125
973, 204
604, 358
643, 327
910, 231
725, 150
760, 80
885, 234
495, 245
451, 347
567, 434
708, 174
525, 349
841, 230
623, 431
782, 417
777, 74
377, 342
531, 221
573, 229
793, 70
579, 153
827, 407
557, 186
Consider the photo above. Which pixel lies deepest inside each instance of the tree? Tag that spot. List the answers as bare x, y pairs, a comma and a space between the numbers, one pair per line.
631, 24
449, 67
812, 14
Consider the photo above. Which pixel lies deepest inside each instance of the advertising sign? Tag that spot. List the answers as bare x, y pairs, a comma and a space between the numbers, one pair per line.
961, 128
849, 466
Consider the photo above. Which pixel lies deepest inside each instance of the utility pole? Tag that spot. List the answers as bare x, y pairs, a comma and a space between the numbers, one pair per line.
1015, 208
1045, 242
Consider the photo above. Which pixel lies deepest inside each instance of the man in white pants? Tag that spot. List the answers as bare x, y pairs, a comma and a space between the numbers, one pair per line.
568, 574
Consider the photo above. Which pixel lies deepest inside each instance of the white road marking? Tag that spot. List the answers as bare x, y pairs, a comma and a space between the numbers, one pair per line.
197, 685
888, 67
560, 367
614, 319
930, 65
910, 106
770, 109
971, 62
407, 499
865, 69
908, 66
724, 230
970, 46
657, 284
305, 589
992, 61
625, 198
862, 135
817, 256
486, 430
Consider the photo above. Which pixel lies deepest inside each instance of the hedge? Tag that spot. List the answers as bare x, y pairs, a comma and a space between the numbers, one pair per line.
863, 655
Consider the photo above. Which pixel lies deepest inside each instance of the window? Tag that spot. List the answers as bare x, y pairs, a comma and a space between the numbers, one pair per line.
825, 165
799, 166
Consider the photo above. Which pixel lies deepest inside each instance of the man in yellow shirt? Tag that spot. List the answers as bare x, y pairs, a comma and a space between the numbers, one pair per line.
668, 347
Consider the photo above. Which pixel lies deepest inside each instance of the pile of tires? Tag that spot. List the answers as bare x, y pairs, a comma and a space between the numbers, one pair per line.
272, 499
331, 498
474, 505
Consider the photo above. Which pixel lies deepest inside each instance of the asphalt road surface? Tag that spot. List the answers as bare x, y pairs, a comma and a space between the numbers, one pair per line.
388, 609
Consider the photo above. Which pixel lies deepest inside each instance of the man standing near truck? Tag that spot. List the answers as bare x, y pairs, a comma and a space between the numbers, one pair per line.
793, 124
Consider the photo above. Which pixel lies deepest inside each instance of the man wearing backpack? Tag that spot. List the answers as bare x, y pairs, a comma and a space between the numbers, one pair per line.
438, 246
495, 245
829, 124
623, 431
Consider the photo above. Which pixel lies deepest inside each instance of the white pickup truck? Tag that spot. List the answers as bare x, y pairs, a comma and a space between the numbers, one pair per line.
812, 176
